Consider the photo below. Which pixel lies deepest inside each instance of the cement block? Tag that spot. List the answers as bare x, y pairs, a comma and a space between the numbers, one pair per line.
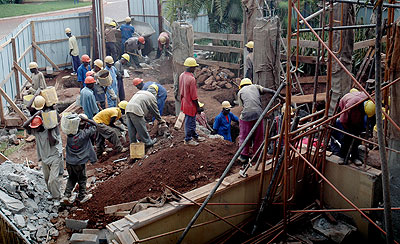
75, 224
102, 234
77, 238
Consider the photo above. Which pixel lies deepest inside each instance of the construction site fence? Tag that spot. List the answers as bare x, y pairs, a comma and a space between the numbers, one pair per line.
43, 40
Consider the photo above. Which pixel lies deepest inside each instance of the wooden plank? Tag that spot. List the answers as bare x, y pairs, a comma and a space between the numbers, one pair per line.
3, 158
61, 40
308, 98
218, 63
220, 49
218, 36
2, 120
14, 52
364, 65
13, 105
33, 40
7, 78
367, 43
58, 19
23, 72
119, 207
22, 29
45, 56
24, 53
5, 44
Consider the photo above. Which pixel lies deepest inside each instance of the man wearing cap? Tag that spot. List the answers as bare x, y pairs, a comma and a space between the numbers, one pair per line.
249, 60
111, 40
83, 68
134, 46
160, 90
114, 86
138, 107
163, 43
222, 123
73, 50
49, 151
38, 81
87, 98
119, 65
107, 129
189, 102
127, 31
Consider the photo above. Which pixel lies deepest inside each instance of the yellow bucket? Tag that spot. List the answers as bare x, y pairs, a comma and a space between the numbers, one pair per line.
50, 119
50, 94
27, 99
137, 150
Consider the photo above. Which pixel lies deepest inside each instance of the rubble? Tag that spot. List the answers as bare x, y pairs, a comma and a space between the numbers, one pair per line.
214, 77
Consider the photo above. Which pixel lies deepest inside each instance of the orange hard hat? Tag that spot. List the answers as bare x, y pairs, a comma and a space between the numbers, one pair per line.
36, 122
142, 40
137, 81
85, 58
90, 80
89, 73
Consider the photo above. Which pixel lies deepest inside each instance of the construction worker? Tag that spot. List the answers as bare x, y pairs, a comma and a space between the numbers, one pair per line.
161, 91
114, 86
222, 123
127, 31
79, 151
101, 92
87, 98
138, 107
202, 118
163, 44
107, 129
111, 40
249, 60
119, 65
73, 50
83, 68
353, 122
189, 102
249, 97
49, 152
133, 47
38, 81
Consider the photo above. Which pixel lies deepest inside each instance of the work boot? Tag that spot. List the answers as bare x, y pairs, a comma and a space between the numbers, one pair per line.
191, 143
357, 162
152, 142
243, 159
85, 198
200, 139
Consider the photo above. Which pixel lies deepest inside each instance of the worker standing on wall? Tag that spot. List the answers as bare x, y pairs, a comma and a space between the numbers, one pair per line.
127, 31
111, 40
134, 46
73, 50
83, 69
38, 81
189, 102
222, 123
114, 86
249, 61
87, 98
161, 91
163, 44
119, 65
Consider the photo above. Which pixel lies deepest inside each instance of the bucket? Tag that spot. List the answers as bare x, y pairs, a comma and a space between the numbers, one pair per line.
137, 150
27, 99
50, 119
104, 78
70, 123
50, 94
49, 70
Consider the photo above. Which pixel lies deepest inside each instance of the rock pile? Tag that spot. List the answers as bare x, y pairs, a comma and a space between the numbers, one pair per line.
23, 199
214, 77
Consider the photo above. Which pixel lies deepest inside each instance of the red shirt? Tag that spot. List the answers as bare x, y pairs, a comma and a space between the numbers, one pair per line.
355, 116
188, 91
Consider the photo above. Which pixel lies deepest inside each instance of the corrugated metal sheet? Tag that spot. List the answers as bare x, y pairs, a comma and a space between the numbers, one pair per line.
46, 29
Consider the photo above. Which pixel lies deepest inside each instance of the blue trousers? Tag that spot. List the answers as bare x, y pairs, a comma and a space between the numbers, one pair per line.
190, 127
76, 62
161, 103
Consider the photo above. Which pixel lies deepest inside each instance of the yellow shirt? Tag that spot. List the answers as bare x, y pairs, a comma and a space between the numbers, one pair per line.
73, 44
104, 116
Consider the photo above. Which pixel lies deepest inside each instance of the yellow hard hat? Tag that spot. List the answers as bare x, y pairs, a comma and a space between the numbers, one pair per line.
353, 90
126, 57
190, 62
38, 103
245, 81
250, 44
99, 63
226, 104
155, 87
369, 108
201, 104
67, 30
109, 60
128, 19
33, 65
163, 40
122, 104
113, 24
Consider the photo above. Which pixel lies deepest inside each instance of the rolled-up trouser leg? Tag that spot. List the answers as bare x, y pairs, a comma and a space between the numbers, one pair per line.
110, 134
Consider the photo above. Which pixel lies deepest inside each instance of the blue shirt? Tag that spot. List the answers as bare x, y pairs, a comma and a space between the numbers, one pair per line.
88, 102
126, 32
161, 94
82, 73
113, 73
223, 126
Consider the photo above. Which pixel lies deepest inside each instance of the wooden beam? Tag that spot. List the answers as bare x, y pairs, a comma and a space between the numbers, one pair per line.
119, 207
45, 56
308, 98
3, 158
218, 36
61, 40
7, 78
23, 72
220, 49
74, 17
218, 63
19, 32
15, 58
33, 40
2, 121
366, 43
13, 105
23, 54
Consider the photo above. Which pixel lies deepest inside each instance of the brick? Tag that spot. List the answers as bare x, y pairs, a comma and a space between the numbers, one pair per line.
77, 238
102, 234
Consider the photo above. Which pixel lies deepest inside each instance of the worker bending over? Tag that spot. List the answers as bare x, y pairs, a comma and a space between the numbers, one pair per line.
87, 98
222, 123
83, 69
38, 81
73, 50
160, 90
119, 65
249, 61
127, 31
114, 86
138, 107
163, 44
134, 46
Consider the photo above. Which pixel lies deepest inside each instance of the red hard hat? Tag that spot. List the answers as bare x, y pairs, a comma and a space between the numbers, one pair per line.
141, 40
85, 58
137, 81
36, 122
90, 80
89, 73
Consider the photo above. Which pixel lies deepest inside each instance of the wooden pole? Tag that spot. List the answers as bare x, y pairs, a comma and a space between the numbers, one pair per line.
13, 105
45, 56
33, 40
22, 72
15, 58
160, 19
2, 121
